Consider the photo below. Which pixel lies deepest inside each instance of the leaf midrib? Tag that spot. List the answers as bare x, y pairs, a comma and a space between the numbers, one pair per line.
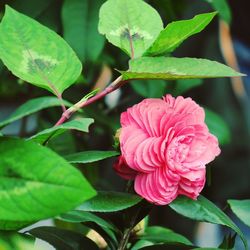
170, 74
41, 74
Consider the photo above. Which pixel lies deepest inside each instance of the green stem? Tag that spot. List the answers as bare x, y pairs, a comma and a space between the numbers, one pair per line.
125, 238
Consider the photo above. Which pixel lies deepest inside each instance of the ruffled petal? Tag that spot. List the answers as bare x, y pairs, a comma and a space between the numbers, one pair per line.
130, 138
191, 189
156, 187
183, 105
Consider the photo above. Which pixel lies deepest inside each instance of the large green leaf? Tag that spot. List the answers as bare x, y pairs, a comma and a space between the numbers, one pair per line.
36, 183
81, 124
223, 9
171, 68
131, 25
242, 210
90, 156
176, 32
33, 106
218, 127
110, 202
80, 21
36, 54
204, 210
63, 239
158, 234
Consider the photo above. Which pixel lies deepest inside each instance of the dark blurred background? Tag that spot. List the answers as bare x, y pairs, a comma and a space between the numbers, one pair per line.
228, 176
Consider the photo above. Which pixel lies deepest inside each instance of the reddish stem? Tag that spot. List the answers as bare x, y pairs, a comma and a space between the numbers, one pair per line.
112, 87
59, 96
131, 45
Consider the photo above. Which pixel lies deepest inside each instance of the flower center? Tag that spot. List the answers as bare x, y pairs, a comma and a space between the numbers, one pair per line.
178, 150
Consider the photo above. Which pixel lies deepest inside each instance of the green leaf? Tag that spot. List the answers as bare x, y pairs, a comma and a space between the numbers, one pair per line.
80, 21
141, 243
218, 127
171, 68
80, 124
33, 106
228, 242
158, 234
206, 248
176, 32
204, 210
150, 88
77, 216
90, 156
242, 210
167, 247
183, 85
105, 229
63, 239
36, 54
110, 202
223, 9
131, 25
36, 183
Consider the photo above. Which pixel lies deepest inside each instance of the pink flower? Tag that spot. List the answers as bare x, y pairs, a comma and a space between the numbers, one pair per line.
165, 146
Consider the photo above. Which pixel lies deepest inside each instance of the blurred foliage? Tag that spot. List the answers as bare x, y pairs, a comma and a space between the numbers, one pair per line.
229, 173
223, 9
11, 241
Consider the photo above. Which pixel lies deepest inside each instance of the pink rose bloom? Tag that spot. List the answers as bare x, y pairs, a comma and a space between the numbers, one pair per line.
165, 146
